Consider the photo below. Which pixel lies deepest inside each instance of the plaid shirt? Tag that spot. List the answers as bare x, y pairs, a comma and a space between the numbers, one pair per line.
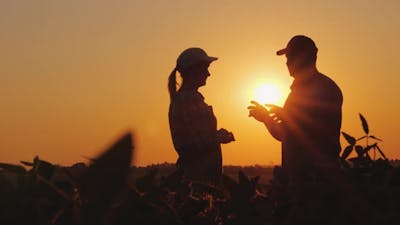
313, 116
194, 134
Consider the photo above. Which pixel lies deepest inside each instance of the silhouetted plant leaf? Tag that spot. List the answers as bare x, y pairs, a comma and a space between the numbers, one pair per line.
351, 140
148, 181
347, 151
380, 151
354, 159
255, 180
12, 168
105, 177
56, 189
228, 183
44, 168
242, 177
202, 187
35, 164
367, 156
375, 138
110, 168
359, 150
364, 123
345, 163
369, 147
246, 187
27, 163
358, 139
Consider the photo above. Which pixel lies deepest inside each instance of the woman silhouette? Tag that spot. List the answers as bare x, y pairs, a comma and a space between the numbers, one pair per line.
192, 122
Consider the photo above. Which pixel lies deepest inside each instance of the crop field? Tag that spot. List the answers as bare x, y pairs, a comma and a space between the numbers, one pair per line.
110, 191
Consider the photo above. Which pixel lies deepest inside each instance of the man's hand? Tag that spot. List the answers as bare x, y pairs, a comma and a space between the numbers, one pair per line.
259, 112
225, 136
275, 112
271, 117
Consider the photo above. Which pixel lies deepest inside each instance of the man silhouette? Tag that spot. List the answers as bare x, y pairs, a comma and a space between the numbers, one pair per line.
309, 123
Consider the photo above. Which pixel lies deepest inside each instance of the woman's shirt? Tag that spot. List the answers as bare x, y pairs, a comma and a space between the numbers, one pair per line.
194, 129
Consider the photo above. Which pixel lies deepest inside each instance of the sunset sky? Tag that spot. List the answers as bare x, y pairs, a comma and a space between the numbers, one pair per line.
76, 74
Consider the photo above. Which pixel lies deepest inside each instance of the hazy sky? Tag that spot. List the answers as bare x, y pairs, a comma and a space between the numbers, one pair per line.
76, 74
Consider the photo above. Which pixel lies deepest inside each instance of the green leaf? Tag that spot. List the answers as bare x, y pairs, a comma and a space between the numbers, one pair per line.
347, 151
375, 138
351, 140
364, 123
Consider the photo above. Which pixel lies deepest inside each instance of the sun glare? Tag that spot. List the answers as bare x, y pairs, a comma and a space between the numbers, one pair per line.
266, 88
268, 94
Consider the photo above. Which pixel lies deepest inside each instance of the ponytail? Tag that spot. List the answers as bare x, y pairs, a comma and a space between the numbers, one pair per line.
172, 84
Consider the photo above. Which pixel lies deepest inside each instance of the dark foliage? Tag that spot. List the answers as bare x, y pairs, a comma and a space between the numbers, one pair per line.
365, 191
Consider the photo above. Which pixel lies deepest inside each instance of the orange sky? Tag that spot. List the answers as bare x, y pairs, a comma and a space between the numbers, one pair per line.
76, 74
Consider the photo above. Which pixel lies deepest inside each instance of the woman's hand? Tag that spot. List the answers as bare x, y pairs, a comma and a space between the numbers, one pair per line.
225, 136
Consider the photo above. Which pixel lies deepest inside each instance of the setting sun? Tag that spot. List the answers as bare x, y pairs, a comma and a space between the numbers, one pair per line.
268, 94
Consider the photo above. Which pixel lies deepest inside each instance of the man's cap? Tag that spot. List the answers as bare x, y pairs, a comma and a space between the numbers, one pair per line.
299, 44
191, 57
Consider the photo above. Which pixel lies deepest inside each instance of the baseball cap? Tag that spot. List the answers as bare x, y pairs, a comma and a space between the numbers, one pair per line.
191, 57
299, 44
